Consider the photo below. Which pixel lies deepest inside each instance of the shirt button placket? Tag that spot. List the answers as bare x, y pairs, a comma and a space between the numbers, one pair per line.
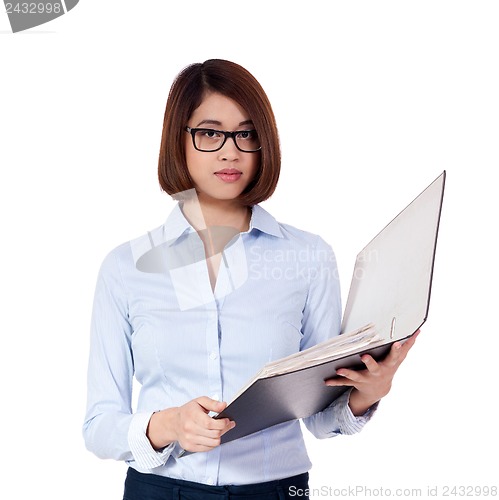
214, 383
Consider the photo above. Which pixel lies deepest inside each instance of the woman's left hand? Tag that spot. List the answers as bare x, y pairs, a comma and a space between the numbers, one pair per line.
372, 384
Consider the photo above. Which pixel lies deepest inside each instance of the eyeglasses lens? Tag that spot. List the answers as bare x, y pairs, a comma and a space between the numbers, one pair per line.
211, 140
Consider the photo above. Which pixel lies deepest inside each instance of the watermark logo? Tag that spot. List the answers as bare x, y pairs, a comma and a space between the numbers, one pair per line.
26, 15
187, 256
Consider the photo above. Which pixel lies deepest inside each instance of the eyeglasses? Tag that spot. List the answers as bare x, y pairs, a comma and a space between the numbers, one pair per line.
209, 140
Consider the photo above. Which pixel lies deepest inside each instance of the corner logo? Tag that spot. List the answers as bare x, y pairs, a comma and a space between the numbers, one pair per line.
25, 15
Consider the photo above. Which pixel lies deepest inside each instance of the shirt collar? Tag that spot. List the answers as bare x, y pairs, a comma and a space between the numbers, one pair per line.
177, 225
264, 222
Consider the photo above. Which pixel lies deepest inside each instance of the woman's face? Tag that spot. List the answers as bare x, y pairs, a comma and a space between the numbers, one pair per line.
224, 174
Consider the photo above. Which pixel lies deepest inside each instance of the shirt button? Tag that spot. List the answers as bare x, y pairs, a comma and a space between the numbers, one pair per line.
215, 397
210, 481
213, 355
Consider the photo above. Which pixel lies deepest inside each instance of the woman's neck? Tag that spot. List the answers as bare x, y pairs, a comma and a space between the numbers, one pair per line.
217, 222
203, 214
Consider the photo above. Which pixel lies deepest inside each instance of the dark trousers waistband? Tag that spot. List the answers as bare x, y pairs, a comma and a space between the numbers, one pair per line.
139, 486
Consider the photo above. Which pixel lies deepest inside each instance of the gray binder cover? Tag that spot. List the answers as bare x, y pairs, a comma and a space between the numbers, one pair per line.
390, 287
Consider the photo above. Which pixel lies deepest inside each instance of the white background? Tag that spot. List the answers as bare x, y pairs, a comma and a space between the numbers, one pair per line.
373, 100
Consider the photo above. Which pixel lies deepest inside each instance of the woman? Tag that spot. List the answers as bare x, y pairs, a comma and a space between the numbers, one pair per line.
194, 308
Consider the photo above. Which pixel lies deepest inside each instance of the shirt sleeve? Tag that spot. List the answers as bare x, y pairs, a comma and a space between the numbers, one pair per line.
110, 429
338, 419
321, 321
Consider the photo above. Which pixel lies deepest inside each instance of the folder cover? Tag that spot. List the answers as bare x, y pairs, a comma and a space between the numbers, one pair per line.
388, 301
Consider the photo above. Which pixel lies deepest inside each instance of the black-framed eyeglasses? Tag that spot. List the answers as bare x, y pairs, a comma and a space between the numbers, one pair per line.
209, 140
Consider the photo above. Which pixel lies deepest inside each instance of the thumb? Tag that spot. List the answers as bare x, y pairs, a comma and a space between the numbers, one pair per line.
209, 404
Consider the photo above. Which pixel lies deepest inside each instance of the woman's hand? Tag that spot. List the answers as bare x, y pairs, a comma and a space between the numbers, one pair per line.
372, 384
190, 425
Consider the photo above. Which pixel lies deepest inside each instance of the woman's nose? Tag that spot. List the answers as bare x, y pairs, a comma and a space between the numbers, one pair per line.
229, 151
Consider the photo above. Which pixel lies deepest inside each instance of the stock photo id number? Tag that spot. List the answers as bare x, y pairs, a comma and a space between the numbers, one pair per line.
25, 15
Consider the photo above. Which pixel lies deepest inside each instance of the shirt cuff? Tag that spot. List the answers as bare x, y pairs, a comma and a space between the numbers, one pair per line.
347, 421
145, 456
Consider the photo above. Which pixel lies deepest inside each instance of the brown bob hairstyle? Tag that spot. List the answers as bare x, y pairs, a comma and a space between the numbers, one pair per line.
186, 94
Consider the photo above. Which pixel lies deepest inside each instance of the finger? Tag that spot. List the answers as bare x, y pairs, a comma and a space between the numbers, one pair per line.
347, 377
198, 419
338, 382
411, 340
216, 433
407, 345
202, 421
202, 443
209, 438
394, 355
372, 366
218, 424
210, 429
399, 350
230, 426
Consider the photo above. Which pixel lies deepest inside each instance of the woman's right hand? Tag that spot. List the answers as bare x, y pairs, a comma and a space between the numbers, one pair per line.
189, 425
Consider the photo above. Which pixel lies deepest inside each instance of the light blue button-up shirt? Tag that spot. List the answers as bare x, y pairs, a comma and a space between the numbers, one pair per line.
157, 318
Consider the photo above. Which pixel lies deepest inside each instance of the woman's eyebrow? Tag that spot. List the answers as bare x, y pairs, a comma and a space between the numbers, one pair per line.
209, 122
246, 122
216, 122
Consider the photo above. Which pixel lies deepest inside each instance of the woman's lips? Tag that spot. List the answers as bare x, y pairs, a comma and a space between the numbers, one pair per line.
229, 174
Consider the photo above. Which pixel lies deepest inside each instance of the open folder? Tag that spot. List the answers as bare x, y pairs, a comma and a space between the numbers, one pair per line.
388, 301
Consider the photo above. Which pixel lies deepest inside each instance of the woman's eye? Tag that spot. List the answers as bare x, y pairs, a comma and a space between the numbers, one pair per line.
246, 135
212, 134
